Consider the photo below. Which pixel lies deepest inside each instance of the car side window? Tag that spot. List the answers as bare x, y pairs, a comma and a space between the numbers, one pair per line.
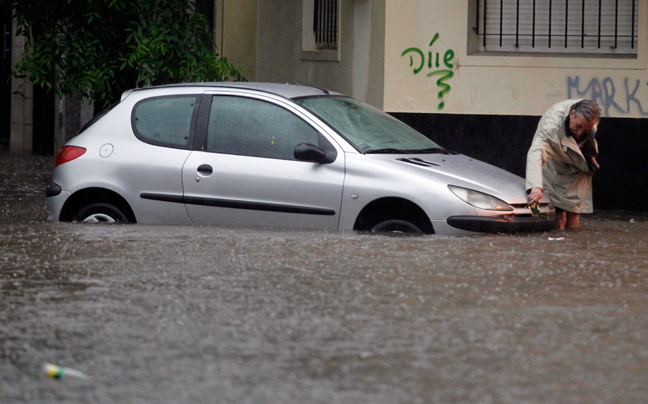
250, 127
164, 121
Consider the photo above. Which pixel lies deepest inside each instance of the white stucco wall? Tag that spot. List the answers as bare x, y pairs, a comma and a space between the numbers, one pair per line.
235, 23
356, 68
503, 85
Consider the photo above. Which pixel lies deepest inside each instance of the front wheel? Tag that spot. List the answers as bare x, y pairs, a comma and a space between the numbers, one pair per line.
396, 226
100, 213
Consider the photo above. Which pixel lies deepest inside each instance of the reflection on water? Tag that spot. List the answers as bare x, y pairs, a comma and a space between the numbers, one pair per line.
187, 314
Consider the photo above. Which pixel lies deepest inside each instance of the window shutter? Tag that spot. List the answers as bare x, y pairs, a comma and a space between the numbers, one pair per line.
325, 23
560, 26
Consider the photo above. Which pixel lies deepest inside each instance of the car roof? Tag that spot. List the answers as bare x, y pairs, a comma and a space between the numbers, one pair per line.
284, 90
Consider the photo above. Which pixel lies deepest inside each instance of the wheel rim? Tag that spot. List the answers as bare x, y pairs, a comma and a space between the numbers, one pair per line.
99, 218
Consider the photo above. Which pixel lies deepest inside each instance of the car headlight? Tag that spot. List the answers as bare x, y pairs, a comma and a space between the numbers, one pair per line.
479, 199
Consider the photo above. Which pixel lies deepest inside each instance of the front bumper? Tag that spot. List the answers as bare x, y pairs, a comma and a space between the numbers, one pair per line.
499, 224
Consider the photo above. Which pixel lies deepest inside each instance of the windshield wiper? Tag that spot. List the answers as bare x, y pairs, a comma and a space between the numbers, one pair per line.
387, 150
430, 150
433, 150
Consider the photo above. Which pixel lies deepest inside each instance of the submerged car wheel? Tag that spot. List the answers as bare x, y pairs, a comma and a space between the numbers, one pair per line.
396, 226
100, 213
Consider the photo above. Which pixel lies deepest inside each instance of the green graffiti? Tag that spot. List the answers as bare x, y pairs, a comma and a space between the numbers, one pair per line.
436, 36
445, 87
417, 50
434, 60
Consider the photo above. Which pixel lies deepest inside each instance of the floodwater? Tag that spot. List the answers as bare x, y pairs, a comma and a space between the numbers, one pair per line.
157, 314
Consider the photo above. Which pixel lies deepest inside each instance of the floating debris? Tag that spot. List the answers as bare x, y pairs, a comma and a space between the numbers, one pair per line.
58, 372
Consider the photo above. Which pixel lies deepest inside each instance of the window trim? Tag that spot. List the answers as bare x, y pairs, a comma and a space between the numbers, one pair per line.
202, 135
544, 41
309, 48
192, 126
476, 57
325, 24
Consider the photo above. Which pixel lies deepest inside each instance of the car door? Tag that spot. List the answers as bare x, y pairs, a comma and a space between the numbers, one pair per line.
247, 174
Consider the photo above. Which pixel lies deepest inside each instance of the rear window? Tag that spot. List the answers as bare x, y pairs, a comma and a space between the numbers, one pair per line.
165, 121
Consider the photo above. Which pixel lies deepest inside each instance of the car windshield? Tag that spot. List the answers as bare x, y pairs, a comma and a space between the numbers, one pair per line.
369, 129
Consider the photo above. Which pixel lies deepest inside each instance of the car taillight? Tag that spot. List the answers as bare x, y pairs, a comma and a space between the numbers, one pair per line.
68, 153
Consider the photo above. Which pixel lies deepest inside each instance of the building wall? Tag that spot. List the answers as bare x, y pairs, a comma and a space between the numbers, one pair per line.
355, 68
488, 106
487, 84
236, 33
22, 100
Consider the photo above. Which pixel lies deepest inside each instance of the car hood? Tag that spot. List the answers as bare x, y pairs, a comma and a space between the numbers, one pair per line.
464, 171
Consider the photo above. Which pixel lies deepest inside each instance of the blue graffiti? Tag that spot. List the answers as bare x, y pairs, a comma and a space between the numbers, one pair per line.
605, 93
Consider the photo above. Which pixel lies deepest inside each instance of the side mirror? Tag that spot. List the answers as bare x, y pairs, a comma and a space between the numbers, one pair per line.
312, 153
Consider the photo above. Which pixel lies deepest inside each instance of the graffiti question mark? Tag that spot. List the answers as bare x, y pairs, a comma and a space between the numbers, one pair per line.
445, 87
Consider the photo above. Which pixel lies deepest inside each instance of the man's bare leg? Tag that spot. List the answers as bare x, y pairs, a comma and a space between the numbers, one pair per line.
573, 220
562, 219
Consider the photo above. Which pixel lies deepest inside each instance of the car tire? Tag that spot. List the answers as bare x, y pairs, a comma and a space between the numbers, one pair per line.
100, 213
396, 226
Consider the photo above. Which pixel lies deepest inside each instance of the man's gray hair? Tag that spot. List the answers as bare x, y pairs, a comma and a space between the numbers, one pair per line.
588, 109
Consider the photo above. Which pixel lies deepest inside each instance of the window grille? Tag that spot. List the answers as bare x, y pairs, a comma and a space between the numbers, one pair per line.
559, 26
325, 23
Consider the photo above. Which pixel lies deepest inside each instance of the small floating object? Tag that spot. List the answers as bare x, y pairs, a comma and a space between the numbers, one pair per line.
58, 372
556, 238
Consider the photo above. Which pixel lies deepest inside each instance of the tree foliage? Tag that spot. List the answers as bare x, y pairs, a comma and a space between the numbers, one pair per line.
100, 48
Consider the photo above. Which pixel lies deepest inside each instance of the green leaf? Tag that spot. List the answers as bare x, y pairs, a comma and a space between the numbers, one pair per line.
100, 48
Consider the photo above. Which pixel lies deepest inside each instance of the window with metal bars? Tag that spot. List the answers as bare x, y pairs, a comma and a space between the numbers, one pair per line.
559, 26
325, 24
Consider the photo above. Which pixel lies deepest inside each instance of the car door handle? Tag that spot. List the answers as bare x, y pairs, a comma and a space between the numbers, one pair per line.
205, 169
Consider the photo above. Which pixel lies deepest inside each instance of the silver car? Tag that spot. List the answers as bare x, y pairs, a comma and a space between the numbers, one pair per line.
277, 155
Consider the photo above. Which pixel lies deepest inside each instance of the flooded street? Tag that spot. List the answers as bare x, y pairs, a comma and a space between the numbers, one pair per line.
164, 314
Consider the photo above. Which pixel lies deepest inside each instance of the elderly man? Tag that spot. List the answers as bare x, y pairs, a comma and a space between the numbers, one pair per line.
562, 159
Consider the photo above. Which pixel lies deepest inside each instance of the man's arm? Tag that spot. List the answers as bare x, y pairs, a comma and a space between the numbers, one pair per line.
590, 147
539, 152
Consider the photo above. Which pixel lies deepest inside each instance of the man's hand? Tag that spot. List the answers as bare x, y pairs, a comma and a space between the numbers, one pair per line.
593, 165
535, 195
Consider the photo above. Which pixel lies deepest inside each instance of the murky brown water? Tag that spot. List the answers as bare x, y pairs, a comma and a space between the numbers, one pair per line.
203, 315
